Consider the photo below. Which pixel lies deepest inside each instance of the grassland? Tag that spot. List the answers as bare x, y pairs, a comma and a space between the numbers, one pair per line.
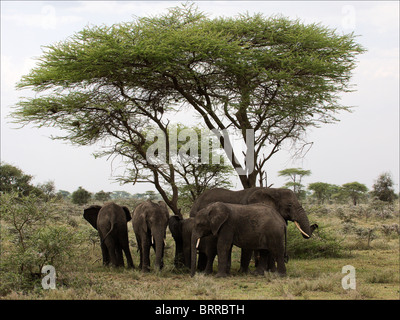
314, 270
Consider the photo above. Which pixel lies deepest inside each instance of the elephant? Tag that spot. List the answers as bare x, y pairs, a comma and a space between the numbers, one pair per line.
149, 223
110, 221
283, 200
254, 226
181, 231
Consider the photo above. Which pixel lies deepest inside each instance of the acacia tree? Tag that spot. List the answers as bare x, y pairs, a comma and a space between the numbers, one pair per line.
295, 175
323, 191
354, 190
269, 76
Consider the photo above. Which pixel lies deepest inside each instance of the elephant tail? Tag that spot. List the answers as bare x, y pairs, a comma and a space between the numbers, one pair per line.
108, 233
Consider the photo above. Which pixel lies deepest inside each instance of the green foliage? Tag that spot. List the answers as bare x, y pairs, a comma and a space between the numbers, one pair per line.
354, 190
63, 194
323, 191
383, 188
31, 239
271, 74
295, 175
81, 196
323, 244
102, 196
13, 179
120, 195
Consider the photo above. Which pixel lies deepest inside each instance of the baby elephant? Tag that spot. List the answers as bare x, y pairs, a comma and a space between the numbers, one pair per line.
110, 221
254, 226
150, 223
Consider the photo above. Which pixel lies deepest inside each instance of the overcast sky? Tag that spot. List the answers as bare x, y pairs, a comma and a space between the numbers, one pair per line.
360, 147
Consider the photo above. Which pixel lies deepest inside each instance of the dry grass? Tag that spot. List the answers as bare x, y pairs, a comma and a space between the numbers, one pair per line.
377, 271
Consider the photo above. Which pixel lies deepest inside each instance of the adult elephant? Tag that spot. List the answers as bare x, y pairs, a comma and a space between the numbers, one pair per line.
284, 201
149, 224
111, 223
254, 226
181, 231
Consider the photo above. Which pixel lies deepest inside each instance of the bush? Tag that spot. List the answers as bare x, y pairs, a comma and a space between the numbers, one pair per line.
31, 240
321, 245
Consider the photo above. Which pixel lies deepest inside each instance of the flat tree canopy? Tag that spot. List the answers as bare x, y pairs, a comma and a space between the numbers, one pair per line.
272, 75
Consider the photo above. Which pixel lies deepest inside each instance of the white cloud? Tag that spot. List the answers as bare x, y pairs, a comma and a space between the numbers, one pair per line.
379, 64
384, 16
138, 8
48, 18
12, 70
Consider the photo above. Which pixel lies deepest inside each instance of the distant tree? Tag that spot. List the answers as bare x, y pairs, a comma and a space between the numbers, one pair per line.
323, 191
354, 190
151, 195
295, 175
48, 188
63, 194
102, 196
14, 179
81, 196
140, 195
120, 195
383, 188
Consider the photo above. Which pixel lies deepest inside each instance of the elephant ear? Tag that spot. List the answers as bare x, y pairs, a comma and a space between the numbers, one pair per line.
266, 196
90, 214
127, 214
218, 215
175, 226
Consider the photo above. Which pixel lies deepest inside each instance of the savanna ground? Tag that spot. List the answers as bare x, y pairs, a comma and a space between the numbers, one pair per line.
363, 236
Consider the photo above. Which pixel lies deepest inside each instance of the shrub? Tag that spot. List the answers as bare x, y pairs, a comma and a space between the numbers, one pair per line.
321, 244
31, 240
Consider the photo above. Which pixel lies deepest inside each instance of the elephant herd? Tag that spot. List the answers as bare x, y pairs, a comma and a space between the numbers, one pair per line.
252, 219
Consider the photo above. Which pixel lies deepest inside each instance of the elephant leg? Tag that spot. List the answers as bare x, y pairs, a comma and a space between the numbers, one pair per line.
104, 252
263, 262
256, 257
228, 267
202, 263
128, 256
140, 249
124, 245
186, 256
182, 255
145, 254
245, 258
278, 254
210, 263
118, 255
281, 265
271, 263
211, 253
223, 251
110, 244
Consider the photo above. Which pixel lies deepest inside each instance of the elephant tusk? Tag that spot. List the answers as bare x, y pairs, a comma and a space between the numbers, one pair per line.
298, 227
152, 240
197, 243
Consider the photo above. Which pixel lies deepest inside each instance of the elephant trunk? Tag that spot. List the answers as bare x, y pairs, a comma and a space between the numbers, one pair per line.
159, 248
302, 223
193, 244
